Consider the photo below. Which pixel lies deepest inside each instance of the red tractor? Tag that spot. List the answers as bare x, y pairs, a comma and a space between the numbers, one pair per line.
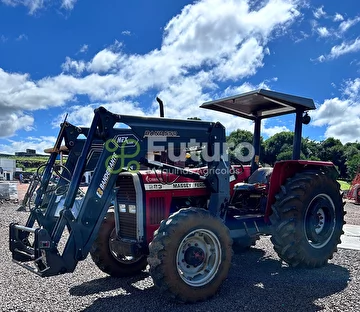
151, 202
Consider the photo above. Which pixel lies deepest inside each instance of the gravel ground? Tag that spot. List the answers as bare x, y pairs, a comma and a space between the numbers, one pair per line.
258, 281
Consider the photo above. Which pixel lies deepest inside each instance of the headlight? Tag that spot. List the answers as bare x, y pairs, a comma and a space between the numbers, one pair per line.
122, 207
132, 208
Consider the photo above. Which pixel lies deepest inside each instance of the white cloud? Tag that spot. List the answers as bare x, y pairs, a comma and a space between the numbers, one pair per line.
12, 122
273, 130
38, 144
319, 12
341, 116
32, 5
323, 32
3, 38
245, 87
302, 36
352, 88
126, 32
103, 61
330, 112
72, 65
345, 25
22, 37
342, 49
243, 62
19, 94
222, 36
84, 48
231, 121
68, 4
320, 59
83, 115
35, 5
338, 17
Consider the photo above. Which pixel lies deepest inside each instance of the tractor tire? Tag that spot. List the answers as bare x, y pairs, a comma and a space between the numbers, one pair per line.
107, 260
307, 219
190, 255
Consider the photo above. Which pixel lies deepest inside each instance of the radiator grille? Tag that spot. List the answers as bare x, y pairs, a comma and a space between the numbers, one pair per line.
127, 195
157, 210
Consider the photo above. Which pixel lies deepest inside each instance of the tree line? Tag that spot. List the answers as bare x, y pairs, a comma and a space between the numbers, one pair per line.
346, 157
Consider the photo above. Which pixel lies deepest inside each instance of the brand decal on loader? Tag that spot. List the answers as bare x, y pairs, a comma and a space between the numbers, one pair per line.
112, 146
105, 179
126, 140
174, 186
160, 133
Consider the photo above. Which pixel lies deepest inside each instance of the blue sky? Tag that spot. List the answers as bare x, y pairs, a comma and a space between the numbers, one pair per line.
70, 56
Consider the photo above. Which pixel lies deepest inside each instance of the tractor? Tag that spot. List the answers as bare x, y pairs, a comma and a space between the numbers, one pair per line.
163, 193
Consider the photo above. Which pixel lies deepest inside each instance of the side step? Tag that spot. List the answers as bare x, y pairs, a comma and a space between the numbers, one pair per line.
251, 225
42, 252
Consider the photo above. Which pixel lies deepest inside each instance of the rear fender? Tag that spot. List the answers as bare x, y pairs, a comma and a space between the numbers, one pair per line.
288, 168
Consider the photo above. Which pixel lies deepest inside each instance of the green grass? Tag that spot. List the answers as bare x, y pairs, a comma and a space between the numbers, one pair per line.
28, 163
344, 186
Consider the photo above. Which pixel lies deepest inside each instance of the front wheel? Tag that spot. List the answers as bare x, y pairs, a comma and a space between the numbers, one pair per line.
190, 255
103, 252
307, 219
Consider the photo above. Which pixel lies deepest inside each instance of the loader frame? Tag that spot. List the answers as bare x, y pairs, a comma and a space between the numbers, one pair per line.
123, 150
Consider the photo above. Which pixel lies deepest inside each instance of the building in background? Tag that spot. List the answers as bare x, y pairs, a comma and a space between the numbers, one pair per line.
28, 152
8, 168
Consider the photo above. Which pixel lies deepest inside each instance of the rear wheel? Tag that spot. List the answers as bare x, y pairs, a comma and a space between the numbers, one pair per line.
190, 255
307, 219
103, 252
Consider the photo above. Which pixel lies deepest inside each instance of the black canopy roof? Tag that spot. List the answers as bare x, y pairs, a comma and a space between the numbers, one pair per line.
260, 103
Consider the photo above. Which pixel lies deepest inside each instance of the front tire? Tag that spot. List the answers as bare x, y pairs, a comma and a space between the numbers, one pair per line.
106, 259
190, 255
307, 219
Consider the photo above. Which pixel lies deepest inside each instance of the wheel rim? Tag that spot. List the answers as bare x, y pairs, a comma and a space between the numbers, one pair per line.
320, 220
113, 247
198, 257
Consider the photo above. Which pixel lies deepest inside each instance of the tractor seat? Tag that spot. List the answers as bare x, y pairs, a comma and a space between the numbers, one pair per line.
259, 177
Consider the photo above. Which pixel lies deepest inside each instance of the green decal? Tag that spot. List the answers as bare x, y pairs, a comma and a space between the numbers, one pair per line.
119, 153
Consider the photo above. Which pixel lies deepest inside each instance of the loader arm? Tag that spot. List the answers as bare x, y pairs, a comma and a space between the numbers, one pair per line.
68, 135
123, 149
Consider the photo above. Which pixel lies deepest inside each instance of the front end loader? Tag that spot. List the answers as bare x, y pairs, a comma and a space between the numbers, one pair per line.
163, 193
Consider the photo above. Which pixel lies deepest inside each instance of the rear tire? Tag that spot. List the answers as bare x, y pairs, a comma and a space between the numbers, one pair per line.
307, 219
190, 255
107, 260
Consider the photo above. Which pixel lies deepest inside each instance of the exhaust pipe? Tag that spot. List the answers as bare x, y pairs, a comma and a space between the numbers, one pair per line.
161, 105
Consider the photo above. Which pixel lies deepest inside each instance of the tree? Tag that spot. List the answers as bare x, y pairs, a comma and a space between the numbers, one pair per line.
310, 149
352, 165
351, 149
280, 147
279, 143
236, 138
325, 148
332, 150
